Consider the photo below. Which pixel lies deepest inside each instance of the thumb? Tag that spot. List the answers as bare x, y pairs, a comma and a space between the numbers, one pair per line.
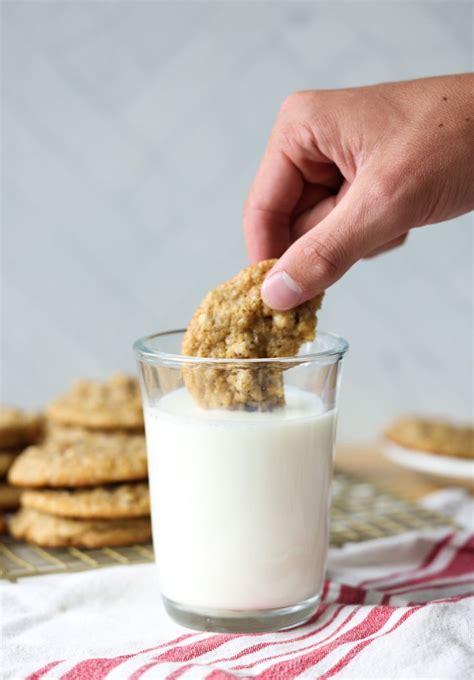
356, 226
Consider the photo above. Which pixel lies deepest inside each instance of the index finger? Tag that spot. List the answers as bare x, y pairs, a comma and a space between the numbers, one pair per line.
273, 196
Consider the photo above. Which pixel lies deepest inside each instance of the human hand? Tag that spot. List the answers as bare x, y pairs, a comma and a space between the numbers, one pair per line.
346, 174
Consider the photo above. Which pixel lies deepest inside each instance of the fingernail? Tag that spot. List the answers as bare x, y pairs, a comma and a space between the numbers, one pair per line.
280, 291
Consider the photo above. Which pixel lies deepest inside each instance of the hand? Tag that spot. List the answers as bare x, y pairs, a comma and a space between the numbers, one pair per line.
346, 174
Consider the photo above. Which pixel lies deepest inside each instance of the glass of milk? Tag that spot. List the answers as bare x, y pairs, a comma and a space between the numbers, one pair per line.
240, 498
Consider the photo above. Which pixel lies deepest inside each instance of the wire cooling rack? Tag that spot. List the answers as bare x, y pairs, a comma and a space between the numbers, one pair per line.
360, 511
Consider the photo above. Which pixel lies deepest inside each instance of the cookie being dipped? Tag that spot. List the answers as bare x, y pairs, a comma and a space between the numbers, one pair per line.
234, 323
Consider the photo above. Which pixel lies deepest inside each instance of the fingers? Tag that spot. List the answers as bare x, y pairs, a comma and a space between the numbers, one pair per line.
311, 195
357, 225
316, 213
272, 198
394, 243
291, 160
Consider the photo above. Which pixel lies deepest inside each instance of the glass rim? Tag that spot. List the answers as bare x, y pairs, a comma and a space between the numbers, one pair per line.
338, 347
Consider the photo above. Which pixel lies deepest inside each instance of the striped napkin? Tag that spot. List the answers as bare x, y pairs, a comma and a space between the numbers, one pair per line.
399, 607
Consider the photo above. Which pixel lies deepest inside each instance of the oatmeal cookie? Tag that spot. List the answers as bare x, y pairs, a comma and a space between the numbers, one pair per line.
19, 428
109, 405
54, 432
433, 436
233, 322
55, 532
102, 502
92, 460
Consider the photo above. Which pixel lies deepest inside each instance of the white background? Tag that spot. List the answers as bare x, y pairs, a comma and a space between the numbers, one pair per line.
131, 132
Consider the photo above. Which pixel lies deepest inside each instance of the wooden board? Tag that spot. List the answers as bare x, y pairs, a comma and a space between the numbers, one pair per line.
370, 463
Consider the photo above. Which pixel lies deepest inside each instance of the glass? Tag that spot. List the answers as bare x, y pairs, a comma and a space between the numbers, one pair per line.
240, 497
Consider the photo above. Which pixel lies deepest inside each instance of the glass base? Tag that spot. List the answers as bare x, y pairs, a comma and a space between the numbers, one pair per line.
236, 621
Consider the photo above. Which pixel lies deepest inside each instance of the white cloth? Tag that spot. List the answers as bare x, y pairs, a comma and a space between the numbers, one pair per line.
394, 608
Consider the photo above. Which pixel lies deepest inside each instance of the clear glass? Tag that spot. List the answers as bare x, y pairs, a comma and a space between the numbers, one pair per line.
240, 496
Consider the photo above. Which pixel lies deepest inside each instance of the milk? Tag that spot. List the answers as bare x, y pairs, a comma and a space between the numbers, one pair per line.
240, 501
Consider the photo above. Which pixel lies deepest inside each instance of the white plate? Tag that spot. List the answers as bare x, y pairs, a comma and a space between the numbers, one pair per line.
430, 463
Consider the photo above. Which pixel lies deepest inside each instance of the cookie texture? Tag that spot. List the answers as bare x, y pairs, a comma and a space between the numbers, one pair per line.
233, 322
55, 532
433, 436
109, 405
19, 428
6, 459
91, 460
68, 433
9, 497
103, 502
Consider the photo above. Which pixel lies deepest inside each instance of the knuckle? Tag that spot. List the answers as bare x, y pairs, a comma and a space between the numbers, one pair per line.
388, 185
288, 137
294, 102
299, 116
328, 256
383, 187
286, 106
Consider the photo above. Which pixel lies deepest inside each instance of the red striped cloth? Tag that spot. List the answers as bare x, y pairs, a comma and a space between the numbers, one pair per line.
376, 620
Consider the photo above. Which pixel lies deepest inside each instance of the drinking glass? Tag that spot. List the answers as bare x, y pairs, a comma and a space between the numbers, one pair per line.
240, 495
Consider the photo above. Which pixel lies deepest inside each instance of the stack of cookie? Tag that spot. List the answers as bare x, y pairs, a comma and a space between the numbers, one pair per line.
85, 484
17, 430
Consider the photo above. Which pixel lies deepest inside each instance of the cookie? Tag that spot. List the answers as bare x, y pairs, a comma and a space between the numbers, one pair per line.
433, 436
3, 525
94, 459
56, 532
19, 428
114, 404
103, 502
9, 497
55, 432
7, 457
233, 322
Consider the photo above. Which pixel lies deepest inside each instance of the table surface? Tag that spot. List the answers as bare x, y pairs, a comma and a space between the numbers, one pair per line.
370, 463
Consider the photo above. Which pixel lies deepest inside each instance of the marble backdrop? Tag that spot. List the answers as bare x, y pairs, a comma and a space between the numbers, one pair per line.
131, 132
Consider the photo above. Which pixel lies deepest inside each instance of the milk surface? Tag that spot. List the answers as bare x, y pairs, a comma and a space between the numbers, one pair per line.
240, 501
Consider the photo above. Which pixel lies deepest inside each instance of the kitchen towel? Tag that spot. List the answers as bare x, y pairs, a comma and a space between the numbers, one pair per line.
395, 608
